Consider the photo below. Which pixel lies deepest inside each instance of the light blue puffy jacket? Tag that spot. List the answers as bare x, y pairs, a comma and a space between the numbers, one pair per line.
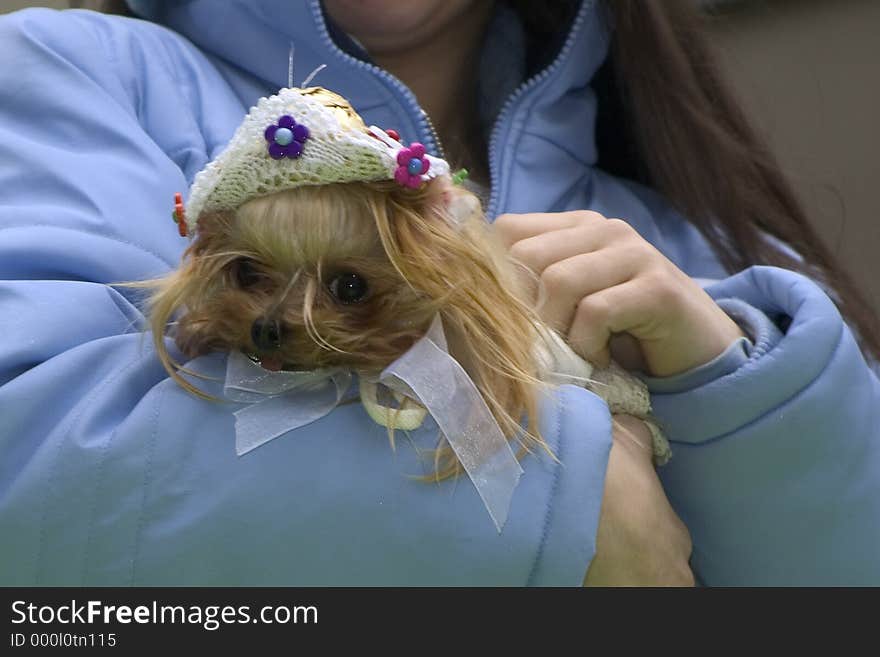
111, 474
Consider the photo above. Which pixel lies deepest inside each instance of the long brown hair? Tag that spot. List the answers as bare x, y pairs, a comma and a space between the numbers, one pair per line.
667, 118
698, 149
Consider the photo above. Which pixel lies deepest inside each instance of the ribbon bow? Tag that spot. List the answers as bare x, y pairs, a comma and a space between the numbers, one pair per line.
279, 402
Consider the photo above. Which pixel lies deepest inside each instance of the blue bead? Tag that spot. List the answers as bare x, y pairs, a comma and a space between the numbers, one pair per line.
414, 167
283, 136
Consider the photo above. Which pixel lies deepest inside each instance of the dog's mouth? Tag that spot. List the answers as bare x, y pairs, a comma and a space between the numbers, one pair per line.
271, 362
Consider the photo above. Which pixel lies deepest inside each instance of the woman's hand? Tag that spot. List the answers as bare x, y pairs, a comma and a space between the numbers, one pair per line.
641, 541
601, 278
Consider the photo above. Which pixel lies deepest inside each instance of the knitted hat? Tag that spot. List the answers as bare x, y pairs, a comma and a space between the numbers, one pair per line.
302, 137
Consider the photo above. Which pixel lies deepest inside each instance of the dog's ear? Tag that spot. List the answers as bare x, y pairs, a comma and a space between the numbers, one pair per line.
187, 288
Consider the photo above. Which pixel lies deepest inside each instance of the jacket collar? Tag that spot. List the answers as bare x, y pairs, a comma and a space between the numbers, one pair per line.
263, 31
249, 42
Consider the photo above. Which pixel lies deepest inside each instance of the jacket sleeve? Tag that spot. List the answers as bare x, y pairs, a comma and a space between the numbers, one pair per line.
776, 467
776, 446
110, 473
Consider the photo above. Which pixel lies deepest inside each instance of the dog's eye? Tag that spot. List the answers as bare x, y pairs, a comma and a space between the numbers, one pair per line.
246, 272
348, 287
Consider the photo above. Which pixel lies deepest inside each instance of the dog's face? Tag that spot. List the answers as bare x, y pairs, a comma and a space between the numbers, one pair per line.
299, 280
351, 275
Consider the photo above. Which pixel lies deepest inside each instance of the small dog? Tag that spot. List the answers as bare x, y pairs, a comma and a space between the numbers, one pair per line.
311, 267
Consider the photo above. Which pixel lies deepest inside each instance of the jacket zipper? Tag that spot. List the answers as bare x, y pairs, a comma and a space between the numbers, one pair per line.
427, 132
502, 122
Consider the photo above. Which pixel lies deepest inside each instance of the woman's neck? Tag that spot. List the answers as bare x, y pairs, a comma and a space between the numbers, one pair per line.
441, 69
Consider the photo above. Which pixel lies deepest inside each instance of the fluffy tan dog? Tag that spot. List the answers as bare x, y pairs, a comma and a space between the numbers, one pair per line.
350, 274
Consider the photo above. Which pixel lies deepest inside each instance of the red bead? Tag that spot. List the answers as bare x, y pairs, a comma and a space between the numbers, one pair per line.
391, 132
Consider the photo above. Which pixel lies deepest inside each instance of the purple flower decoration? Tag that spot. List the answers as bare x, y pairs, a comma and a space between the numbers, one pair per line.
286, 139
412, 164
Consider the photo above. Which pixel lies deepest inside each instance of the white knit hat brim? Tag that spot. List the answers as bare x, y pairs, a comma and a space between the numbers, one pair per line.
339, 149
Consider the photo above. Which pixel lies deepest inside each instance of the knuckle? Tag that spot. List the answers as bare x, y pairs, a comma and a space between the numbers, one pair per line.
664, 289
504, 223
554, 279
592, 309
522, 251
580, 217
632, 251
619, 229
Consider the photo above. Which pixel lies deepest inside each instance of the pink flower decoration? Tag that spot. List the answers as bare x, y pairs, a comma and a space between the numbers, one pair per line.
412, 163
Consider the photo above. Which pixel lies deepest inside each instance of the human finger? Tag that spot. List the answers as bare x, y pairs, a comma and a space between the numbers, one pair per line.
540, 251
563, 284
512, 228
598, 316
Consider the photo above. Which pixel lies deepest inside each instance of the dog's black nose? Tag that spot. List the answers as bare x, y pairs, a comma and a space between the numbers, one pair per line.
266, 334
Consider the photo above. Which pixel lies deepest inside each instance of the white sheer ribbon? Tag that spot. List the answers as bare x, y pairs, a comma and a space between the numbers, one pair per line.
279, 402
427, 373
